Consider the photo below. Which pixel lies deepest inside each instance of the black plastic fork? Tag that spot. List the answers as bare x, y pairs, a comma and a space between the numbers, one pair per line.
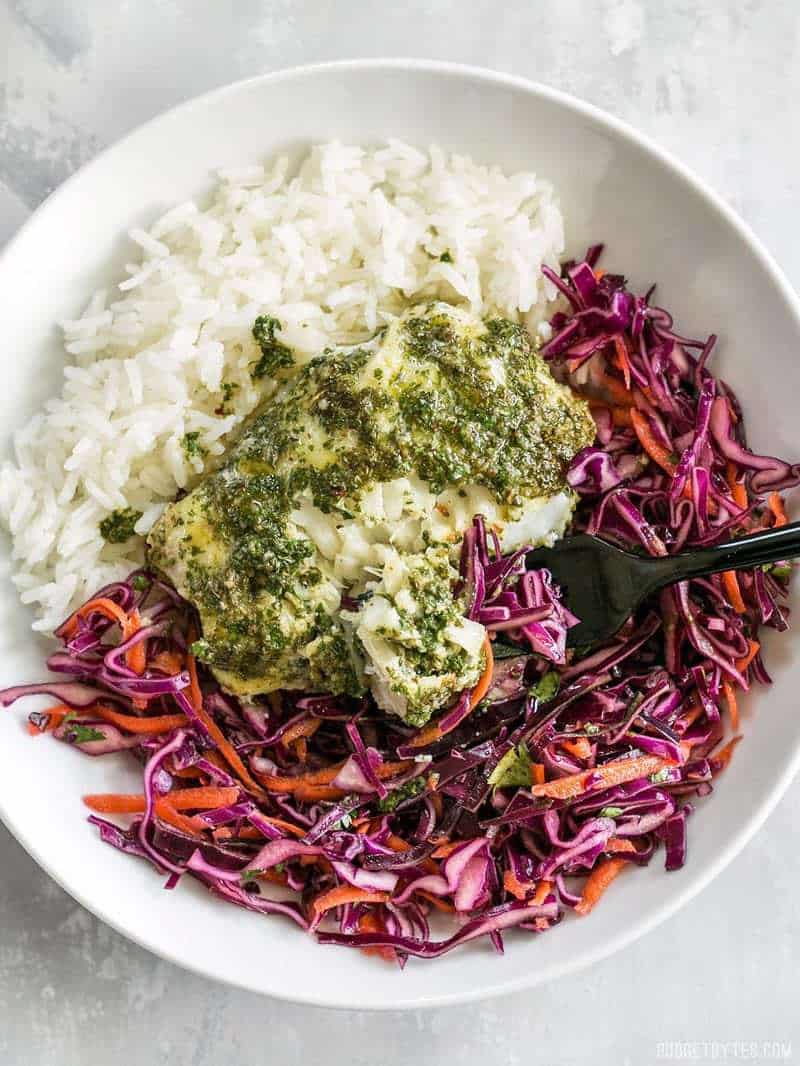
602, 584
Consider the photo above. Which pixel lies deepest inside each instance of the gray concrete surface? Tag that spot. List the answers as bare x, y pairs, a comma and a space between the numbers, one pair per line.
715, 82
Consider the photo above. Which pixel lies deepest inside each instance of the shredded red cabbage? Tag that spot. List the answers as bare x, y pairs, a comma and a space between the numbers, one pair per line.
329, 812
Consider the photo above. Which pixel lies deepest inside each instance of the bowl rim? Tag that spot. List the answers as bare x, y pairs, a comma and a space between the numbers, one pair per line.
764, 807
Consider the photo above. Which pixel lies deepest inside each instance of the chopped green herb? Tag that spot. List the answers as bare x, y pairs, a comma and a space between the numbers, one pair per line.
199, 649
280, 868
117, 527
344, 822
546, 687
274, 354
445, 257
513, 769
781, 572
398, 795
83, 734
501, 650
591, 730
192, 447
661, 776
250, 875
139, 582
611, 812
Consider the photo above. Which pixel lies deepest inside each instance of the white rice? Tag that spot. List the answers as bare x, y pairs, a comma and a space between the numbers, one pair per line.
332, 251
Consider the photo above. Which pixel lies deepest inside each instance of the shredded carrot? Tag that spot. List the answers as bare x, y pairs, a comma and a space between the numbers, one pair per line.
657, 452
485, 680
169, 662
433, 731
691, 716
225, 747
167, 813
135, 657
396, 843
280, 823
543, 890
612, 773
623, 362
738, 491
55, 716
775, 502
299, 730
579, 747
314, 793
743, 663
133, 724
342, 894
101, 605
369, 923
446, 849
537, 773
620, 416
276, 783
733, 592
597, 882
733, 706
725, 754
115, 803
514, 886
619, 844
183, 799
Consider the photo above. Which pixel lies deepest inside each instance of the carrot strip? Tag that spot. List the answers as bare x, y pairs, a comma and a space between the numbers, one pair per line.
623, 362
657, 452
369, 923
135, 657
543, 890
314, 793
580, 747
446, 849
115, 803
733, 706
183, 799
724, 755
301, 729
225, 747
514, 886
775, 502
169, 662
167, 813
133, 724
485, 680
279, 823
276, 783
101, 605
619, 844
342, 894
738, 491
612, 773
620, 416
537, 773
733, 592
744, 662
597, 882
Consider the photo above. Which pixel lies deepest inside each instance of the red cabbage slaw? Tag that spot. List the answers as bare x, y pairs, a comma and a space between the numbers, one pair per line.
536, 789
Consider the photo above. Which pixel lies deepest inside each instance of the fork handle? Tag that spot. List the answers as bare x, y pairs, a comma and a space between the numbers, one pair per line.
769, 546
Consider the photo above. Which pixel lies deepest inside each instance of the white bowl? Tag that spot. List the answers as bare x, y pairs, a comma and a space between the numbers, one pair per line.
660, 223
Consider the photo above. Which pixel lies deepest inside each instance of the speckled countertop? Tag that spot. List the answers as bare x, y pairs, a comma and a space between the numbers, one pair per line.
715, 82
